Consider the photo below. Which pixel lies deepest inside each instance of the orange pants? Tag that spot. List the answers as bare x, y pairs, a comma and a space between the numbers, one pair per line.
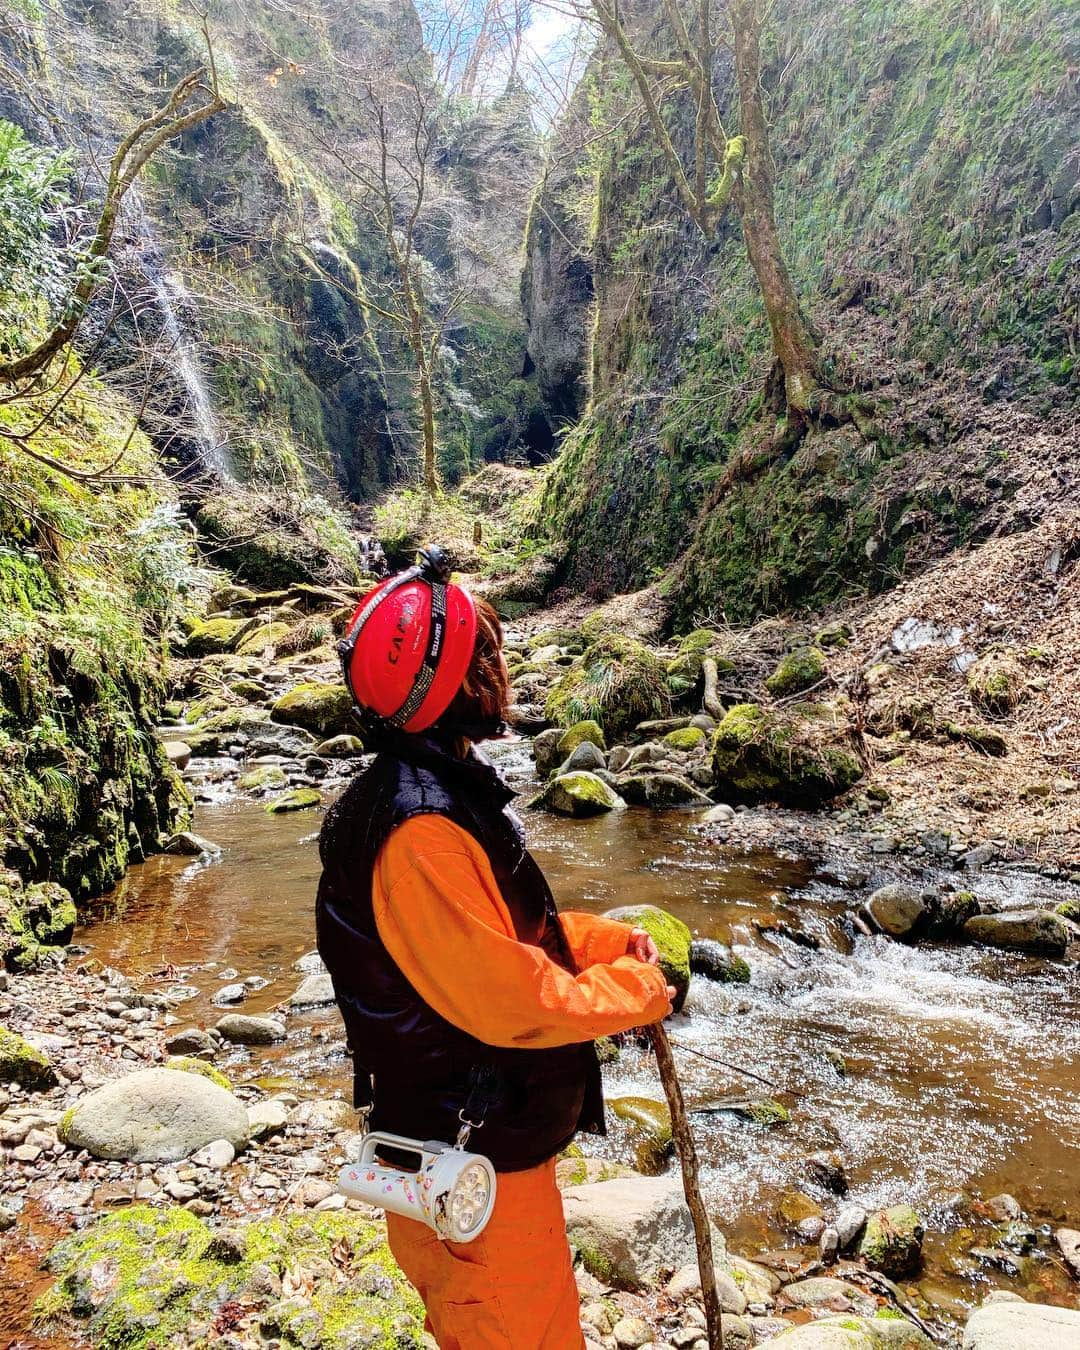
512, 1288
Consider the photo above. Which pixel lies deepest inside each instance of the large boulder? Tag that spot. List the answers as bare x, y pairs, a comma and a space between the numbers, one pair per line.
892, 1241
847, 1332
207, 637
1038, 931
617, 683
630, 1232
578, 794
154, 1115
672, 938
579, 734
1022, 1326
325, 709
897, 909
22, 1063
803, 755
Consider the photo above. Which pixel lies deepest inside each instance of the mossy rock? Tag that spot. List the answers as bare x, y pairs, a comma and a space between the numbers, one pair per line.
995, 684
580, 732
299, 799
755, 1110
1069, 909
188, 1064
248, 690
325, 709
264, 778
577, 794
50, 912
833, 635
607, 1050
263, 637
672, 938
804, 755
209, 637
984, 739
618, 682
22, 1063
798, 670
892, 1241
545, 749
171, 1275
685, 739
651, 1135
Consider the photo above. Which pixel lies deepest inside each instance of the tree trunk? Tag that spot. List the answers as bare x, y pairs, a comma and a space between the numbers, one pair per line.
427, 408
793, 343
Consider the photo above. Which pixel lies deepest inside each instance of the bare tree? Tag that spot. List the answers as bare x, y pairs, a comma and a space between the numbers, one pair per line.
391, 168
728, 168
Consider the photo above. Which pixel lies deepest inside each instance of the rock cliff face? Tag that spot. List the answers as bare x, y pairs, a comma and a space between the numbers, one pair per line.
927, 196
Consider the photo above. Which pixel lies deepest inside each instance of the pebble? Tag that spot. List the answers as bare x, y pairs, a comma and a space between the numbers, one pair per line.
229, 993
631, 1333
217, 1154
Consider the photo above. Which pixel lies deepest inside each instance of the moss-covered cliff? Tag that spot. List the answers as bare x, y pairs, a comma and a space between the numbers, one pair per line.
927, 196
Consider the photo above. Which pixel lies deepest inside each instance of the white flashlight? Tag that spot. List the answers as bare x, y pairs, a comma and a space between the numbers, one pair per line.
452, 1191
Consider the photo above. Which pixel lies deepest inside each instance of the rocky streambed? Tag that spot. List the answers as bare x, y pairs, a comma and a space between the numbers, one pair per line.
886, 1104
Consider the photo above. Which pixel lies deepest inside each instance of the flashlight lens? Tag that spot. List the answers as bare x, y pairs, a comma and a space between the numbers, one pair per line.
470, 1197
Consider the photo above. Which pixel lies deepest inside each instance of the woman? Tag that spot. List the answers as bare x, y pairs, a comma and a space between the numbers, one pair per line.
466, 998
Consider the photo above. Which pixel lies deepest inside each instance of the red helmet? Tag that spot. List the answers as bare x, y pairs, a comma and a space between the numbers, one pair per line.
409, 643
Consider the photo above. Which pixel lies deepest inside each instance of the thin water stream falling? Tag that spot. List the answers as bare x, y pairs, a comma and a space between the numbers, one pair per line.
962, 1062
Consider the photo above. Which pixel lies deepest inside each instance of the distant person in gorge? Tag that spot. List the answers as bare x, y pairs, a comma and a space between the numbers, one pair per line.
466, 997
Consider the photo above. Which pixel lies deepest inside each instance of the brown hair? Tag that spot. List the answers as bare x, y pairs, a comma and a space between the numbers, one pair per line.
484, 697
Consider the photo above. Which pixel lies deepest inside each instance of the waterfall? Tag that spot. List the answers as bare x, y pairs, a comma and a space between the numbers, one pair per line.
173, 301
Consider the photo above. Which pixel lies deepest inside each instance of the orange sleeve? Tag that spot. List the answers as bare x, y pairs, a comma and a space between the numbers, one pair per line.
440, 914
594, 939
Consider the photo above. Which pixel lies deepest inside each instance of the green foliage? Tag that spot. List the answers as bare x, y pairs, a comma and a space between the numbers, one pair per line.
618, 682
34, 207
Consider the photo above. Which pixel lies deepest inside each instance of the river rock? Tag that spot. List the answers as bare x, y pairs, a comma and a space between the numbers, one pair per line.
23, 1063
823, 1292
826, 1167
191, 1041
719, 815
291, 742
229, 993
299, 799
578, 734
584, 756
1022, 1326
340, 747
545, 749
686, 1283
629, 1231
218, 1154
311, 963
178, 753
1026, 930
672, 938
268, 1117
323, 1113
154, 1115
190, 845
326, 709
1068, 1241
803, 755
661, 791
716, 961
897, 910
650, 1123
853, 1333
892, 1241
631, 1333
314, 992
849, 1223
578, 794
246, 1029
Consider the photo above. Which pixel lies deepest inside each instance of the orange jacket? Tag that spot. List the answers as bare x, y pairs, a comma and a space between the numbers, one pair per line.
440, 915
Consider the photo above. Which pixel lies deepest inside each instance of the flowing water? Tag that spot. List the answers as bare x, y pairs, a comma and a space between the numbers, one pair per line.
962, 1062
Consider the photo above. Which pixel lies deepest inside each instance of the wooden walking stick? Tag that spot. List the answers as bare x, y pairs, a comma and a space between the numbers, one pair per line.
684, 1142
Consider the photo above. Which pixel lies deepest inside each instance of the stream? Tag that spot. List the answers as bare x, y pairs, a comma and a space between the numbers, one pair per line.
961, 1062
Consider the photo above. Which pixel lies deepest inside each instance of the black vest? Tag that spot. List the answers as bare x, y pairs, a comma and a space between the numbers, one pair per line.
424, 1069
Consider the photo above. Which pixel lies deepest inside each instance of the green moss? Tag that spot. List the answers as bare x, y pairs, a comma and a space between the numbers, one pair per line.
298, 799
188, 1064
21, 1063
685, 738
995, 684
598, 1264
804, 756
1069, 909
262, 637
651, 1136
617, 683
325, 709
892, 1241
577, 794
672, 938
172, 1277
798, 670
577, 735
207, 637
263, 778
